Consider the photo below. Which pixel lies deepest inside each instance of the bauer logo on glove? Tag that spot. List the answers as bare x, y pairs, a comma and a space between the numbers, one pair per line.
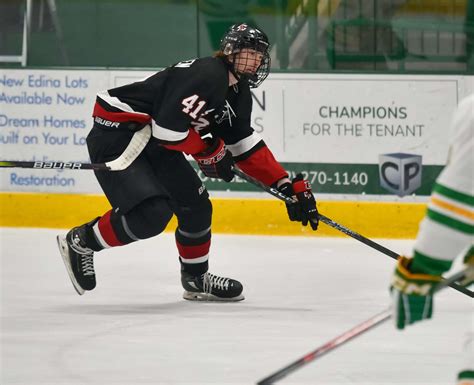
215, 161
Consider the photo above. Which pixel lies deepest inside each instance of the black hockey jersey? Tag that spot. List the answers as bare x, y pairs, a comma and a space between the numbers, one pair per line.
184, 102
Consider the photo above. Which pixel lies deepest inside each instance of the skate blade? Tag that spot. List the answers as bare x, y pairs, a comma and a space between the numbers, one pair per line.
64, 250
206, 297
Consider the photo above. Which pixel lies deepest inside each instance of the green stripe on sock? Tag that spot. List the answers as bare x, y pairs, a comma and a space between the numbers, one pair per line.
466, 374
453, 194
429, 265
450, 222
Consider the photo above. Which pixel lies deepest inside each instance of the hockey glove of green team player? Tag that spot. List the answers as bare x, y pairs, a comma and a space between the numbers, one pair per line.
304, 209
215, 161
412, 294
468, 261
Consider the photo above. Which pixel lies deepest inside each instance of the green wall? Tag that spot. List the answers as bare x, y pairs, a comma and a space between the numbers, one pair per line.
326, 35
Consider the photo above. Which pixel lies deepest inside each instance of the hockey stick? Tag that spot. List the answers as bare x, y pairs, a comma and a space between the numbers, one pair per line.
135, 147
276, 193
363, 327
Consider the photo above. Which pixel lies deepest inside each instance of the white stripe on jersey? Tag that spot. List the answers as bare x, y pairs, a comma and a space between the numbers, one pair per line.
166, 134
116, 102
434, 239
440, 242
244, 145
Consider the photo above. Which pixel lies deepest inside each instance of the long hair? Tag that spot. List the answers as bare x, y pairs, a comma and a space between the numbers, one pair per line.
219, 54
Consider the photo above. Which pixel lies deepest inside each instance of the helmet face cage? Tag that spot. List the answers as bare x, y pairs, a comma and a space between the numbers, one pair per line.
242, 36
262, 71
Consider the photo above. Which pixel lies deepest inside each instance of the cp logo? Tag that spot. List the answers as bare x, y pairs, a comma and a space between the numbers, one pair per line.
400, 173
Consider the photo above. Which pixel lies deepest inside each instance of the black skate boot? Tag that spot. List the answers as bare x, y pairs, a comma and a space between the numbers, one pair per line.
210, 287
78, 258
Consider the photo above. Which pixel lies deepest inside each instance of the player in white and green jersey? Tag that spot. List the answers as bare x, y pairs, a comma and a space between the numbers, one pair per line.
446, 232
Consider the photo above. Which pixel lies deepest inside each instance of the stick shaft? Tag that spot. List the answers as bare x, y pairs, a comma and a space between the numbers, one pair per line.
328, 346
51, 165
337, 226
361, 328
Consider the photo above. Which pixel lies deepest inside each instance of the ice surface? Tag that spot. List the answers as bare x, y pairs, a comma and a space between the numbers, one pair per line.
135, 328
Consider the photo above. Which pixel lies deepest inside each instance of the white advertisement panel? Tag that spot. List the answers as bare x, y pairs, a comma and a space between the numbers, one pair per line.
46, 115
343, 119
335, 128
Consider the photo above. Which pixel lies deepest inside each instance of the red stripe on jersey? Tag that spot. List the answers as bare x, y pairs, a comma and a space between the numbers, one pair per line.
193, 144
263, 166
106, 230
196, 251
119, 116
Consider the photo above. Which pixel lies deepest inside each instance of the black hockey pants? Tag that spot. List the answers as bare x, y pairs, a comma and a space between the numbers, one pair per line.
158, 184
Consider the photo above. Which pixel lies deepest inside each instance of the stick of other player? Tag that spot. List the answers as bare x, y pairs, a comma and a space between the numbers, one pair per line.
363, 327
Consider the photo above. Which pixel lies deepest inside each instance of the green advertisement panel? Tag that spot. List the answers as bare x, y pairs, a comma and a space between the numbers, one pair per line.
330, 178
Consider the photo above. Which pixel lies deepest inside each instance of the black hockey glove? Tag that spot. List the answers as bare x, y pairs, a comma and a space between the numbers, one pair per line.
216, 161
304, 209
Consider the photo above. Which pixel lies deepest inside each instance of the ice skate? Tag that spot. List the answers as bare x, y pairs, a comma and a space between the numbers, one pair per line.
78, 258
210, 287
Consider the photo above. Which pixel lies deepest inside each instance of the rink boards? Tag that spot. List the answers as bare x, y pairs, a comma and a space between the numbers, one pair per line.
371, 155
231, 215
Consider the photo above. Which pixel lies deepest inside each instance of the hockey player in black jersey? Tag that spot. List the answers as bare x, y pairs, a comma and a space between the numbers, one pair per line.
199, 107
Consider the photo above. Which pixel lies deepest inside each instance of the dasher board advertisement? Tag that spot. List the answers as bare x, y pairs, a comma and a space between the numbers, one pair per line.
371, 135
